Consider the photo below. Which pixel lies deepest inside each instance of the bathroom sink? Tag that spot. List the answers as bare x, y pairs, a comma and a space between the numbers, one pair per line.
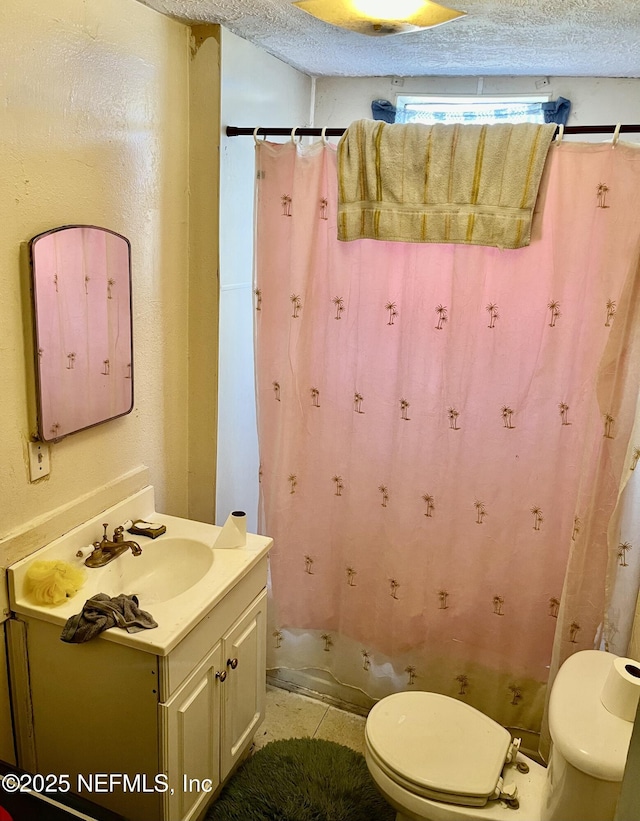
167, 567
178, 578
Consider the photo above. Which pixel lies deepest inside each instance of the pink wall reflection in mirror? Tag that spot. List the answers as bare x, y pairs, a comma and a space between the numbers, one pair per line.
84, 354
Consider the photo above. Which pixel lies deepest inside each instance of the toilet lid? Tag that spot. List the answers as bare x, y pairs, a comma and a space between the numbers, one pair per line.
437, 746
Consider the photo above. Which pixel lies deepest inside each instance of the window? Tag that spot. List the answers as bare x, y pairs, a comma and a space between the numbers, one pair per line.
481, 110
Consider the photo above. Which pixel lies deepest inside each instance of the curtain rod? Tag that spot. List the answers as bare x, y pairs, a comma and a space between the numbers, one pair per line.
236, 131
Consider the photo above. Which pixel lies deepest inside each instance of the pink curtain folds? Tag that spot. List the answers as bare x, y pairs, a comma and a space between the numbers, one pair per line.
444, 431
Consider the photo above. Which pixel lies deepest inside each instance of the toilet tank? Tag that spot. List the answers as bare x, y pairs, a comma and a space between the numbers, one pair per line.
589, 744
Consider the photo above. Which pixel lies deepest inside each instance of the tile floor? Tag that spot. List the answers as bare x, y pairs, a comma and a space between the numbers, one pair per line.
290, 715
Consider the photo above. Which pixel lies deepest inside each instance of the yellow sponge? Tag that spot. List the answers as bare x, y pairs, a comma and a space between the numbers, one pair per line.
52, 582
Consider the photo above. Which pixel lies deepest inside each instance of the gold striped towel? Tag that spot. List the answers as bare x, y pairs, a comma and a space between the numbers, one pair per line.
465, 184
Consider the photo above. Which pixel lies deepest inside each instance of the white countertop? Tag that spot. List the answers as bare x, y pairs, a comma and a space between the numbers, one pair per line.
175, 616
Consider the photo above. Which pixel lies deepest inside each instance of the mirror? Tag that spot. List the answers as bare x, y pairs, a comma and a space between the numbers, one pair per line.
83, 328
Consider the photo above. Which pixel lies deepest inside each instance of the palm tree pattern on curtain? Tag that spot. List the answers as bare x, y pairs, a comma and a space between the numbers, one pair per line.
510, 421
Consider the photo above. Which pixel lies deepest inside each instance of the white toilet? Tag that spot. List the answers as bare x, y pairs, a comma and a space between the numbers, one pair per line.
438, 759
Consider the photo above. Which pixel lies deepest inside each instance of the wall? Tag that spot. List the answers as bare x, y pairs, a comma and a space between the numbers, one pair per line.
95, 129
204, 149
257, 89
594, 101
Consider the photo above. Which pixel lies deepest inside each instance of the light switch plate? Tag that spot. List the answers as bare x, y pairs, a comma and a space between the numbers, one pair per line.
38, 460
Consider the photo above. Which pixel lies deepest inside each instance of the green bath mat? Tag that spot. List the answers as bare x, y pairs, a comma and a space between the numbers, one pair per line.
302, 779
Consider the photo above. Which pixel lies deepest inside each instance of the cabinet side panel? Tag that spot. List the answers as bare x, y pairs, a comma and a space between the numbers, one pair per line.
95, 719
7, 749
21, 694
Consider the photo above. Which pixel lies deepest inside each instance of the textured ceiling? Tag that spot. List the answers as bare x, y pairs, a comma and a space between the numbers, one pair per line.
593, 38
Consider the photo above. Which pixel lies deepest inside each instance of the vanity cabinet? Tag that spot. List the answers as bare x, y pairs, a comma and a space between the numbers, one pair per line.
176, 725
207, 725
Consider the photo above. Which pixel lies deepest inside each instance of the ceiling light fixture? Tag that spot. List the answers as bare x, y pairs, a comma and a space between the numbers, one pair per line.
380, 17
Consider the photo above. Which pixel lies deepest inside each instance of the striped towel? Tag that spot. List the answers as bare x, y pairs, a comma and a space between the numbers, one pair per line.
465, 184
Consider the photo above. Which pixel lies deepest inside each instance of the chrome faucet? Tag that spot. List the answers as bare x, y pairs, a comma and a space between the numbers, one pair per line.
105, 551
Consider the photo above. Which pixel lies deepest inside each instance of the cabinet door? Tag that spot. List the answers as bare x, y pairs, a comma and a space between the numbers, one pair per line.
244, 689
190, 733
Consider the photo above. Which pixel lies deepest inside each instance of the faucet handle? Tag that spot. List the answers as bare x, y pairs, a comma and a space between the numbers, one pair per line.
118, 534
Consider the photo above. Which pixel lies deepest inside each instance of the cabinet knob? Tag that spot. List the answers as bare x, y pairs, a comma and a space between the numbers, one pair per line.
233, 663
221, 676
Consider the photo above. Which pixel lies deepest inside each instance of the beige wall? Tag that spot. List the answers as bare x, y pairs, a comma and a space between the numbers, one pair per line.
204, 145
95, 129
110, 117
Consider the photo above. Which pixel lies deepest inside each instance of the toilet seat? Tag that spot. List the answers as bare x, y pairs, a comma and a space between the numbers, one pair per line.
437, 747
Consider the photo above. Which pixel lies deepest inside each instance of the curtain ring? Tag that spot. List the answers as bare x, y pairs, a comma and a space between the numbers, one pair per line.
255, 135
616, 135
324, 134
293, 134
560, 133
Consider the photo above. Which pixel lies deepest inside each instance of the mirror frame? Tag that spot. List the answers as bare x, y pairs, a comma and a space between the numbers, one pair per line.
94, 411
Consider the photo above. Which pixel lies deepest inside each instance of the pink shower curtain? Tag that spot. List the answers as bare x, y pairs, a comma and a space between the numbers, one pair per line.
443, 434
